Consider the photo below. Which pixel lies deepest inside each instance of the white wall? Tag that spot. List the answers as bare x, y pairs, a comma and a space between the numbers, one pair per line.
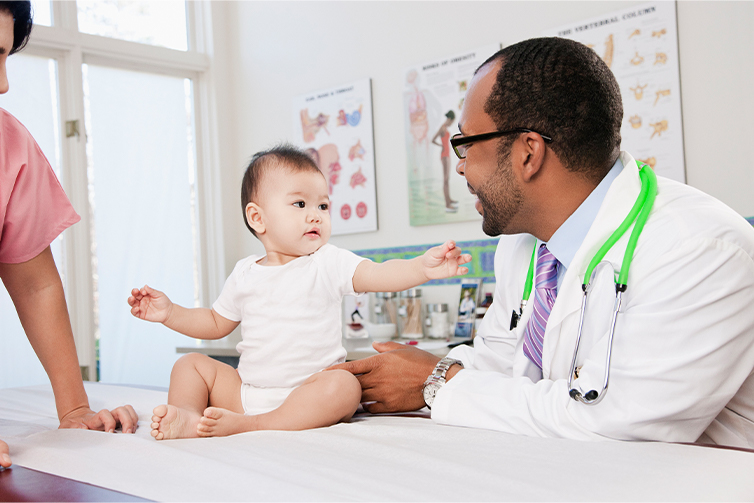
272, 51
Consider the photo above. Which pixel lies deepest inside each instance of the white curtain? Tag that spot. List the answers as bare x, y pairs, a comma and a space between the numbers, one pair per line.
141, 162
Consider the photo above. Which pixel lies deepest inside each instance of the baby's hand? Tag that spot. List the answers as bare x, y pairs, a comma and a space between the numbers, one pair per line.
150, 304
445, 261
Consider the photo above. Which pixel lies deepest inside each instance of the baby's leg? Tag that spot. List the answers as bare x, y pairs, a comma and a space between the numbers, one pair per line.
324, 399
195, 382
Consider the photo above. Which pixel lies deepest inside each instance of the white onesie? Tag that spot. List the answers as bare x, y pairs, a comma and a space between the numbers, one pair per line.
290, 321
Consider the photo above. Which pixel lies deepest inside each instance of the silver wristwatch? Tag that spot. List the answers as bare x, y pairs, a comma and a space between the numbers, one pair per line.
437, 378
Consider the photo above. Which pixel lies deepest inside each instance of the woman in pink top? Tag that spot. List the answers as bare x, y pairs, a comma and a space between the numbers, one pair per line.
34, 210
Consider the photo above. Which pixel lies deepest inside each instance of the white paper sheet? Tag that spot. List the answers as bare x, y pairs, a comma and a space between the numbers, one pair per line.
373, 458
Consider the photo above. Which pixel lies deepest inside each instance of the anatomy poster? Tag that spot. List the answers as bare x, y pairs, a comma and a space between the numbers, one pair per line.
335, 127
432, 99
640, 45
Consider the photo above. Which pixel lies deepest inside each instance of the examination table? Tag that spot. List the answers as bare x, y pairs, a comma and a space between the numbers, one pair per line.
372, 458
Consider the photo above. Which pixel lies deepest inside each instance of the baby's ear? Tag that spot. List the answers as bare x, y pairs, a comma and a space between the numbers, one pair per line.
254, 218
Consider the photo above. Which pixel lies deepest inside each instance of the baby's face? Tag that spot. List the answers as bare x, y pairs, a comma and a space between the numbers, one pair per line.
296, 211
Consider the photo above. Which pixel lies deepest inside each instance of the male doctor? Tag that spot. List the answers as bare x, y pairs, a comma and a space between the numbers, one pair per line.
552, 180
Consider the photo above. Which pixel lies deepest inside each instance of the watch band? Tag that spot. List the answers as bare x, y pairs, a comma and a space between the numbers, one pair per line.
437, 378
442, 368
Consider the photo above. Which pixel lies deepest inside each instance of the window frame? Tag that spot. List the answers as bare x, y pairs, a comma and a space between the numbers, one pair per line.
72, 49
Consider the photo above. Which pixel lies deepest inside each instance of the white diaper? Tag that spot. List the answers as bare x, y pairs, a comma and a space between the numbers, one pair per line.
257, 400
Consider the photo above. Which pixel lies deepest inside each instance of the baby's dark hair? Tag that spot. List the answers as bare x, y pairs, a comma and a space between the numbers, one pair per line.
284, 156
22, 23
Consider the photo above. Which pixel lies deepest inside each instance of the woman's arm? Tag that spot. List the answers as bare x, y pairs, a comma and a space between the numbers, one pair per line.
37, 292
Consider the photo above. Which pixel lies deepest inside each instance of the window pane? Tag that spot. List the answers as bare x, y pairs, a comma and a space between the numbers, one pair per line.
141, 162
32, 99
42, 12
160, 23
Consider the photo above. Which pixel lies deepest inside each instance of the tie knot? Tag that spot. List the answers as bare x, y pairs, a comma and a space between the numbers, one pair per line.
547, 269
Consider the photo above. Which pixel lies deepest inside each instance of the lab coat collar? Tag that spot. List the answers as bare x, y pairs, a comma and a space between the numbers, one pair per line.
618, 201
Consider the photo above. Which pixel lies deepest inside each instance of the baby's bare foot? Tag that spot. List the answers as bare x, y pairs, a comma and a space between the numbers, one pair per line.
218, 422
169, 421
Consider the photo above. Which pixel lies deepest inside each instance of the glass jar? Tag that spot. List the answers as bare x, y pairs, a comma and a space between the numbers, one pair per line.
385, 308
437, 324
410, 324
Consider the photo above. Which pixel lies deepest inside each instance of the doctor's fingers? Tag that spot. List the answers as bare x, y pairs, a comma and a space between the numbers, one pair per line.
357, 367
380, 401
392, 395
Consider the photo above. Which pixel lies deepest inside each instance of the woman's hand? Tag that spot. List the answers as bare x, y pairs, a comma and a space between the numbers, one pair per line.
150, 304
104, 420
4, 456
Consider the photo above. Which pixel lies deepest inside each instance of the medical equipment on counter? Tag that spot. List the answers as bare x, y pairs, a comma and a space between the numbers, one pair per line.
638, 216
385, 310
410, 324
437, 323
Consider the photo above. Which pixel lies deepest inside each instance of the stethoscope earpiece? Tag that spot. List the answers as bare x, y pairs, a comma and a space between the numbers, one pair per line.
588, 399
592, 395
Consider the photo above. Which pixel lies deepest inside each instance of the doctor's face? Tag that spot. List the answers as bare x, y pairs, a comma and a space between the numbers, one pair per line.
488, 171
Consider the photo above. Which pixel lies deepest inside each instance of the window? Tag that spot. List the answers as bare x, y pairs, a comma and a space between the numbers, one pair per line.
160, 23
125, 126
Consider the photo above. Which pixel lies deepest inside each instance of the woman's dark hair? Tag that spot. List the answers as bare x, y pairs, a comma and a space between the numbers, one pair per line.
563, 89
22, 22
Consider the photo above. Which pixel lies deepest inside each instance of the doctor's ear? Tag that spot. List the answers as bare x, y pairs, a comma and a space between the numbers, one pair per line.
254, 218
531, 154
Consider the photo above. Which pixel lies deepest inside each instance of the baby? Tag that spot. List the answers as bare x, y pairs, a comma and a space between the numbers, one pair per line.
288, 303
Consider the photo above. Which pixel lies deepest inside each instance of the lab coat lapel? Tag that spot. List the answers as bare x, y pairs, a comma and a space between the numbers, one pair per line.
560, 333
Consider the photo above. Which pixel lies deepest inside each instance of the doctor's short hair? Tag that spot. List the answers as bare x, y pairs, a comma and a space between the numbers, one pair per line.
561, 88
282, 156
22, 23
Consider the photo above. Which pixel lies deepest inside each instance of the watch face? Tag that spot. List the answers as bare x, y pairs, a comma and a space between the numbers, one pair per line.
430, 390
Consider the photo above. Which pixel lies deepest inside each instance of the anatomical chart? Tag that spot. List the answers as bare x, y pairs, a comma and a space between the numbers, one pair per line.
432, 99
640, 45
335, 127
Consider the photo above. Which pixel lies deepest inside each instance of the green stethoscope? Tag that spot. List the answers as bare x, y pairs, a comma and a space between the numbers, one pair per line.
638, 216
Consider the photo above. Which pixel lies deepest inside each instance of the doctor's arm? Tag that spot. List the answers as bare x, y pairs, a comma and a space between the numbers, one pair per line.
37, 293
682, 350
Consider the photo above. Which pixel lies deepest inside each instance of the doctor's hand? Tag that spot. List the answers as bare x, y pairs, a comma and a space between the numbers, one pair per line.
150, 304
393, 379
105, 420
444, 261
4, 455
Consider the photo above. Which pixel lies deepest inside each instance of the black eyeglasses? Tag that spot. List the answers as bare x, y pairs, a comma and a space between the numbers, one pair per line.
461, 143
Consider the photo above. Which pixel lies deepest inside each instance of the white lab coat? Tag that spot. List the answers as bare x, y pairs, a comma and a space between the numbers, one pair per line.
683, 352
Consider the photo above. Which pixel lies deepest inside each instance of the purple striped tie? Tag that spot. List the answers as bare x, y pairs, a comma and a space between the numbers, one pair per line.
545, 291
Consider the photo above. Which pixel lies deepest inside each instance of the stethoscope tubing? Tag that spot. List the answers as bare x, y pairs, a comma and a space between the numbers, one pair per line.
638, 216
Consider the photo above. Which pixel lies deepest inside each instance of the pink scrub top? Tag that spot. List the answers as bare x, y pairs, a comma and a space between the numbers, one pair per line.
34, 210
